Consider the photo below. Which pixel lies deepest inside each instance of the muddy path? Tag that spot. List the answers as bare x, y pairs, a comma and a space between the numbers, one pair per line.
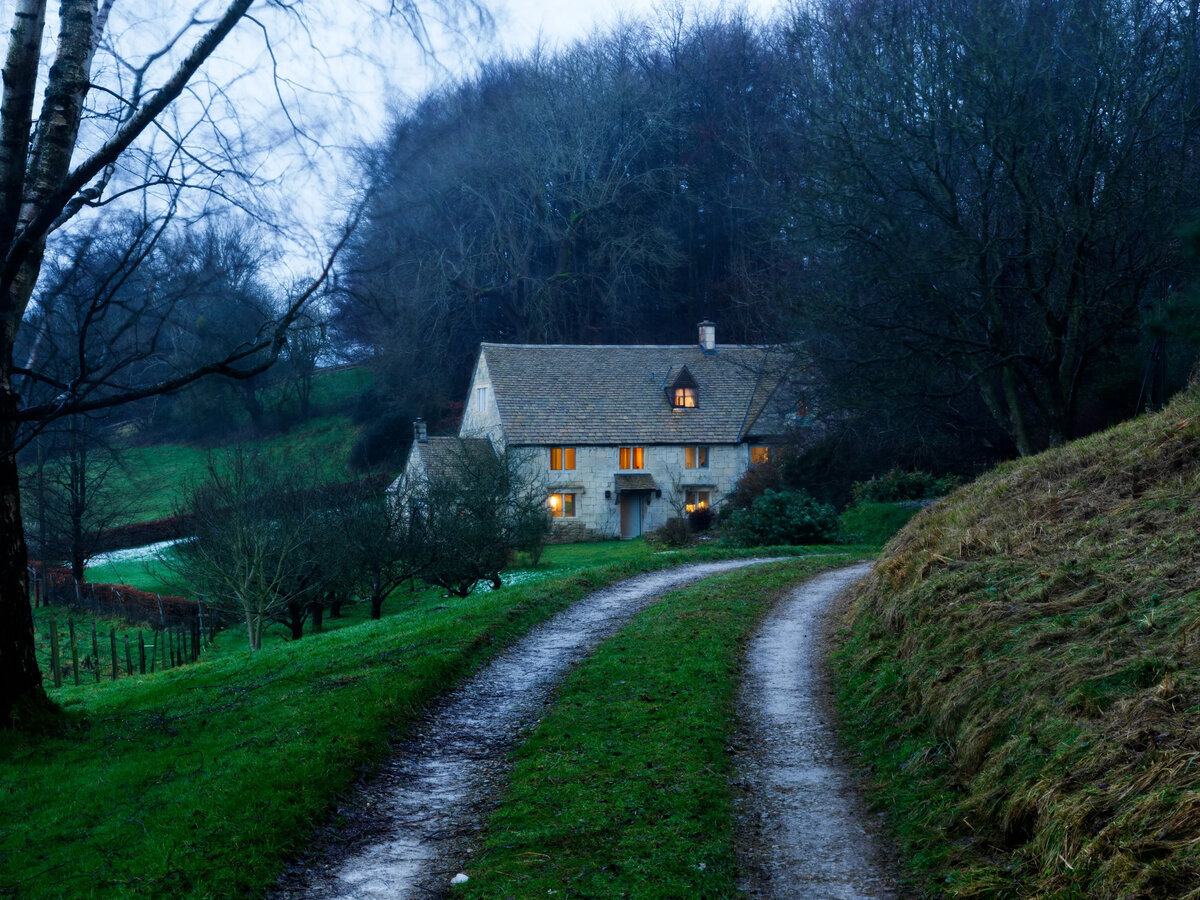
803, 830
407, 831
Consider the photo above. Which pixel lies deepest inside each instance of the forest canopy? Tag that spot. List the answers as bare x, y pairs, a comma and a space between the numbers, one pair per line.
968, 213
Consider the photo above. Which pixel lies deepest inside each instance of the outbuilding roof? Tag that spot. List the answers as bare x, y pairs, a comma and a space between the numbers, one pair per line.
442, 457
585, 394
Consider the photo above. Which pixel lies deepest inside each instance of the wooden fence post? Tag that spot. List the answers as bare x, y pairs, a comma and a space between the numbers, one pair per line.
74, 647
128, 658
55, 665
95, 653
141, 653
154, 653
112, 639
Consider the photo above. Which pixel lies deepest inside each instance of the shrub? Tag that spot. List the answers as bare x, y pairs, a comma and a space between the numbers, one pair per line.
898, 485
701, 519
783, 517
672, 533
755, 481
875, 523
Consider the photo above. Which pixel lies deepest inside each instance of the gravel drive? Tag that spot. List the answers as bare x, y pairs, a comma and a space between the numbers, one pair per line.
804, 833
404, 834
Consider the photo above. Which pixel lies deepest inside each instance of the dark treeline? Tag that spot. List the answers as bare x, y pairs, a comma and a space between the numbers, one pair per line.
968, 213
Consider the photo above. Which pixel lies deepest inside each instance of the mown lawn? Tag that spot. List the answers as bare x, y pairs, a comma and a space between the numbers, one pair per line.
623, 790
199, 781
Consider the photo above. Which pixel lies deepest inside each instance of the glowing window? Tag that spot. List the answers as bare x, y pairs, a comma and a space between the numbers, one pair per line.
760, 455
632, 458
694, 500
685, 397
695, 457
562, 458
562, 505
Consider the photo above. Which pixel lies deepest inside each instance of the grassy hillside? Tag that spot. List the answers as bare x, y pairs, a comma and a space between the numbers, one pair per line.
1022, 672
154, 475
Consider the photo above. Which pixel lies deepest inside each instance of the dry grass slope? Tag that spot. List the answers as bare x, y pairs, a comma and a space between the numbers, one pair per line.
1031, 646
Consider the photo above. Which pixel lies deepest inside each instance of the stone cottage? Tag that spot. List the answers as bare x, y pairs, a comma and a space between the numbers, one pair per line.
625, 437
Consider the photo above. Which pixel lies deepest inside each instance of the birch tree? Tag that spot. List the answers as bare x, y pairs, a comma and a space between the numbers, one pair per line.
91, 121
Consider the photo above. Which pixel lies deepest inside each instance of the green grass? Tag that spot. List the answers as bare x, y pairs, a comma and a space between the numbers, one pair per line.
199, 781
156, 475
1020, 672
875, 523
623, 789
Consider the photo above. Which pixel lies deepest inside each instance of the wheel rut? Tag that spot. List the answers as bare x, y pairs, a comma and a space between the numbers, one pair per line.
406, 831
804, 832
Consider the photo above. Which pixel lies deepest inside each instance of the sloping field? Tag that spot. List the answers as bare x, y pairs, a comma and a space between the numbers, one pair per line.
1022, 672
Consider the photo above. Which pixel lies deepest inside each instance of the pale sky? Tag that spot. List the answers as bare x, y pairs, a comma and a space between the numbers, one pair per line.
299, 106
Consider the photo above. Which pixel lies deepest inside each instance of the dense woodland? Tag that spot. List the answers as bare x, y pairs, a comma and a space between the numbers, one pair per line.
969, 215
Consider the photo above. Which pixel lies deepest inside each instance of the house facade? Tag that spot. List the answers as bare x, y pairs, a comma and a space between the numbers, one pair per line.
625, 437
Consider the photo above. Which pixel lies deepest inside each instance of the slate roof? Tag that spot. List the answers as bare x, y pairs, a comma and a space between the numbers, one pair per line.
440, 456
634, 482
610, 395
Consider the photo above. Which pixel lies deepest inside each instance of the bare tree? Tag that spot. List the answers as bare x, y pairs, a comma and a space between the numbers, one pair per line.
376, 544
251, 552
472, 511
70, 493
135, 124
994, 194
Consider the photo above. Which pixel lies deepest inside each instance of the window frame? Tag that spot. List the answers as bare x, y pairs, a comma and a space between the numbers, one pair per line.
565, 507
698, 453
681, 395
631, 458
697, 499
760, 450
566, 459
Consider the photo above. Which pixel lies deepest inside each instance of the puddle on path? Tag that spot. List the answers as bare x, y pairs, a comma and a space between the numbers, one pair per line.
407, 826
804, 833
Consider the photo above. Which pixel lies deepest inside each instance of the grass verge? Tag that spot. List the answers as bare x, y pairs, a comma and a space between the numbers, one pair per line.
200, 781
1021, 672
623, 789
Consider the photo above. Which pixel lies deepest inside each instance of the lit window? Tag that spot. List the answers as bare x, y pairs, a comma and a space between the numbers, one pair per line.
685, 397
695, 457
760, 454
694, 500
562, 505
562, 458
632, 458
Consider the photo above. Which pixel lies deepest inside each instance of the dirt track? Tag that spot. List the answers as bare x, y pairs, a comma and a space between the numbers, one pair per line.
804, 832
404, 832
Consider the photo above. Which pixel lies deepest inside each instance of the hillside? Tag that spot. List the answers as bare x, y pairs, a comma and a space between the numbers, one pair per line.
1022, 672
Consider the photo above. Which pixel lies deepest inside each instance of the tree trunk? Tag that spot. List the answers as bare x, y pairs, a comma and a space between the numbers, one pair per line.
335, 609
376, 604
21, 689
295, 619
318, 616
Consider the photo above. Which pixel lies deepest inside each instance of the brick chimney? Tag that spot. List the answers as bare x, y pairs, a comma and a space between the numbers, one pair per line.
420, 432
708, 336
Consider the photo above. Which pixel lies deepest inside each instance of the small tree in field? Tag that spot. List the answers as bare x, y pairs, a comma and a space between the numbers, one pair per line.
251, 554
472, 512
376, 546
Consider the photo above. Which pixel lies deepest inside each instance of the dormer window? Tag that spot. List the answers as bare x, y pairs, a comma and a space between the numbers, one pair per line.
684, 392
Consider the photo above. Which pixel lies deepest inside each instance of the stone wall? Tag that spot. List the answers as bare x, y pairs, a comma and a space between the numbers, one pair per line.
596, 467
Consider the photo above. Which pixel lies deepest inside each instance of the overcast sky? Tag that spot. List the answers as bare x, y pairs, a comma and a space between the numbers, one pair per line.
299, 107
